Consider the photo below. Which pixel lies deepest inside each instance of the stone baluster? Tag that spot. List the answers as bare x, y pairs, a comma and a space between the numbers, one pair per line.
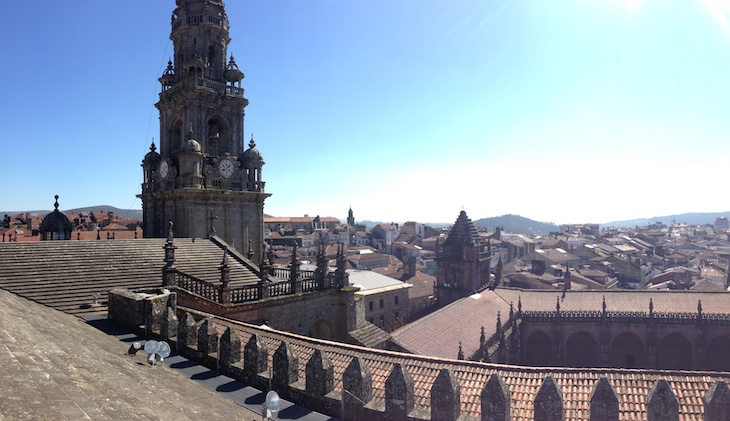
357, 382
255, 357
286, 366
399, 394
230, 348
604, 401
717, 402
661, 403
320, 374
548, 405
495, 400
445, 397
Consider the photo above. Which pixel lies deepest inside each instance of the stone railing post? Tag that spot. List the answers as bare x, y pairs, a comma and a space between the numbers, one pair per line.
230, 348
320, 374
207, 339
445, 397
399, 394
495, 400
717, 402
548, 404
661, 403
168, 327
255, 357
357, 383
286, 366
604, 401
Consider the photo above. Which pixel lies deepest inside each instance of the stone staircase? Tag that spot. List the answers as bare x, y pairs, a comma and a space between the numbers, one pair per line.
65, 274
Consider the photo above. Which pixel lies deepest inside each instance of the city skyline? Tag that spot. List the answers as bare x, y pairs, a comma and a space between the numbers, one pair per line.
571, 111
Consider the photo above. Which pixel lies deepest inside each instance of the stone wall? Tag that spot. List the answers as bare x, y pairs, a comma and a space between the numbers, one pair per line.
383, 385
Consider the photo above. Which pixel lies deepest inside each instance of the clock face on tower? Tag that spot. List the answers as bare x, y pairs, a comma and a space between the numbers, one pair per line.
225, 166
164, 169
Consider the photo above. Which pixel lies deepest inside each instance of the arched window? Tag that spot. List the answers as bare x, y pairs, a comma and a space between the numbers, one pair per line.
175, 136
218, 139
674, 352
581, 350
716, 357
539, 350
626, 351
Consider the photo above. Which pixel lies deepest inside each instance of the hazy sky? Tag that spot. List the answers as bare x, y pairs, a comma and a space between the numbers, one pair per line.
561, 110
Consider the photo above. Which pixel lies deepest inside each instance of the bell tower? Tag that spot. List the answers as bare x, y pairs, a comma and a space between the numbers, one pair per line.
202, 179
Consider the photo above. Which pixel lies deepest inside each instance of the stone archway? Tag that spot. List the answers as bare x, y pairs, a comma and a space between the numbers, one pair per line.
627, 351
581, 350
322, 329
716, 354
674, 352
539, 350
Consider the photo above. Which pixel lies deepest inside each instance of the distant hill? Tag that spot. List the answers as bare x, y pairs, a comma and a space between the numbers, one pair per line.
122, 213
517, 224
693, 218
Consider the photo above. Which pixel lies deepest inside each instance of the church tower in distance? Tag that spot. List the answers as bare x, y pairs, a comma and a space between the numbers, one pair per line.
202, 179
463, 262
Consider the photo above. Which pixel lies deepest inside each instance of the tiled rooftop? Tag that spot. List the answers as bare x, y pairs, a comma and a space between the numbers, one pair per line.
632, 386
64, 274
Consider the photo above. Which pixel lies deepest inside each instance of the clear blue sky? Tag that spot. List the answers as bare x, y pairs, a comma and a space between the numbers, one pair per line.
562, 111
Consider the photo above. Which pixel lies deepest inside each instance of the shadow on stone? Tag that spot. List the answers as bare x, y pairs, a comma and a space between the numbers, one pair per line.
205, 375
231, 386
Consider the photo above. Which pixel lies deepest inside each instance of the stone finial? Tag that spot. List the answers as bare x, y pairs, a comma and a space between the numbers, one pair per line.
460, 354
717, 402
286, 365
207, 339
604, 401
549, 402
358, 383
495, 400
168, 327
320, 374
255, 356
445, 397
250, 253
399, 395
661, 403
170, 235
230, 348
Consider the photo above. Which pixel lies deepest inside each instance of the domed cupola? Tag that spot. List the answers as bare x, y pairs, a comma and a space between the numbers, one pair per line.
167, 78
192, 145
55, 225
233, 73
152, 158
253, 164
252, 154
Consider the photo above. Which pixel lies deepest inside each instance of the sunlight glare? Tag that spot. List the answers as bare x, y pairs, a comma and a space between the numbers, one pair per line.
719, 9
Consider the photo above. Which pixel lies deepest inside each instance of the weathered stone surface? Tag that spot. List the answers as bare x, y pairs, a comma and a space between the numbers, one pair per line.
549, 401
661, 404
74, 371
717, 402
358, 381
168, 327
230, 348
286, 365
187, 331
495, 400
255, 356
445, 397
399, 397
320, 374
207, 338
604, 401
